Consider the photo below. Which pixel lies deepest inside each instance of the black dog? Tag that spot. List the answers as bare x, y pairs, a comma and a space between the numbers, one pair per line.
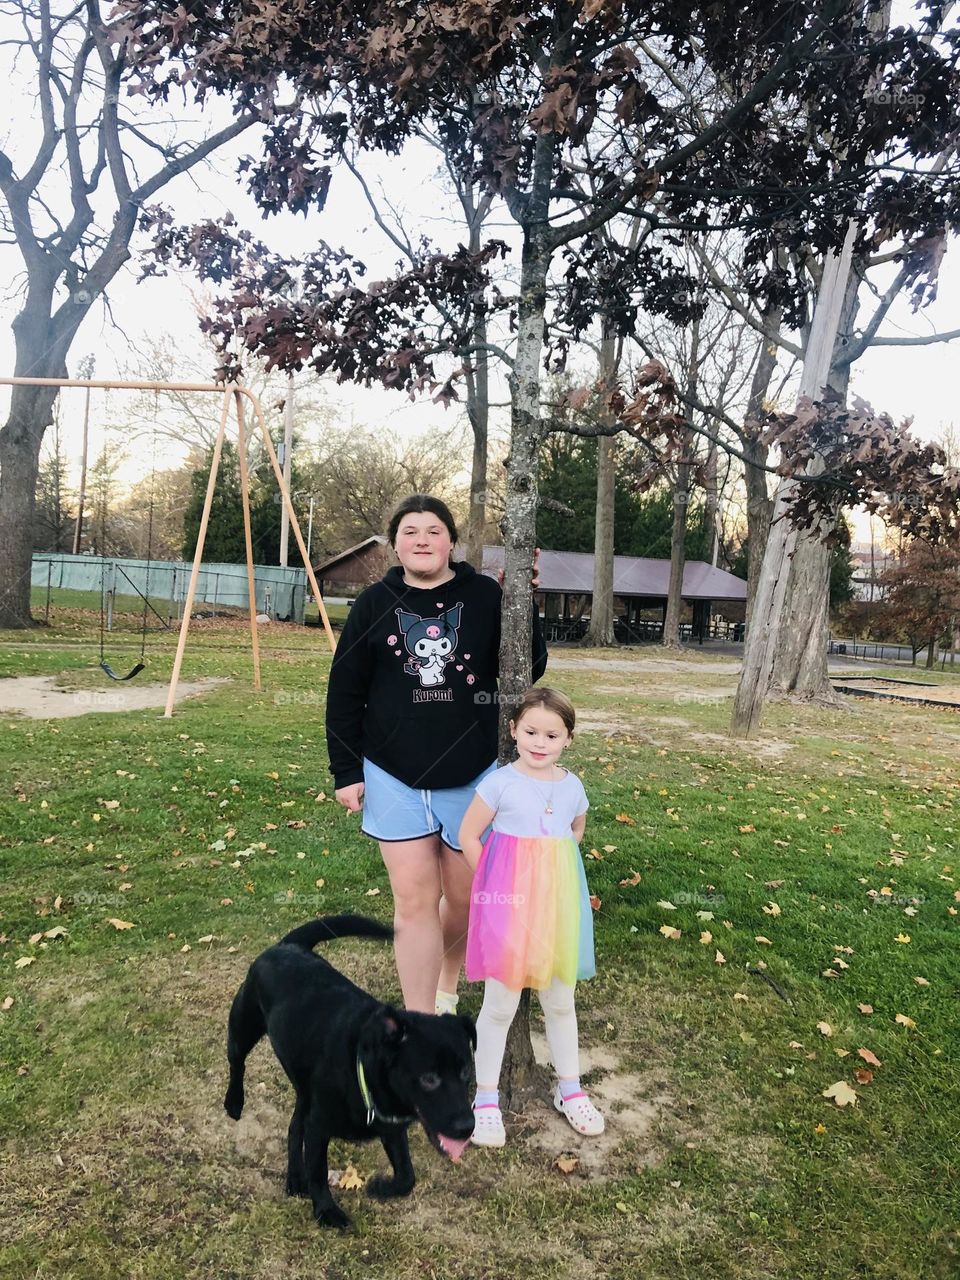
361, 1069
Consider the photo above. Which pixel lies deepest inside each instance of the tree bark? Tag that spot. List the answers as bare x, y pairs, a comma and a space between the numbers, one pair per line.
601, 632
770, 619
478, 412
40, 353
800, 663
681, 500
681, 504
520, 1071
759, 504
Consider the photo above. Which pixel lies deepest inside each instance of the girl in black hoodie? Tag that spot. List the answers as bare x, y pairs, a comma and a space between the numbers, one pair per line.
412, 727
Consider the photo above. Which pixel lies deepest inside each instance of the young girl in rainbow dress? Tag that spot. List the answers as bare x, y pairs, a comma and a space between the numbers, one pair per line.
530, 917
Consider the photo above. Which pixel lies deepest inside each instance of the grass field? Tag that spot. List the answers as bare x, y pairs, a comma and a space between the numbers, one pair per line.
163, 855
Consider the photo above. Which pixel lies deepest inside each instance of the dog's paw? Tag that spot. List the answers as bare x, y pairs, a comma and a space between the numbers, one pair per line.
297, 1187
233, 1104
332, 1216
383, 1188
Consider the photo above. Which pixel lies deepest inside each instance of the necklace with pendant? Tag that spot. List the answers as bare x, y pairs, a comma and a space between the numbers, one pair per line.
548, 807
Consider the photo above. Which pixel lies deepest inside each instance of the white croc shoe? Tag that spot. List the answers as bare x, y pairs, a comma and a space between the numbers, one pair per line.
581, 1114
488, 1130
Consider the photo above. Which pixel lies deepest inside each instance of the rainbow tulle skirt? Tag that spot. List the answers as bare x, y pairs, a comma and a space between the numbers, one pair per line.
530, 914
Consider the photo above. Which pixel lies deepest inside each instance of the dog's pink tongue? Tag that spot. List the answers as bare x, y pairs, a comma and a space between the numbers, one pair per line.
453, 1147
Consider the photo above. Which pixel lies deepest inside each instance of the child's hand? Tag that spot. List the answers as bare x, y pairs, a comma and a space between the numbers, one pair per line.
351, 797
535, 580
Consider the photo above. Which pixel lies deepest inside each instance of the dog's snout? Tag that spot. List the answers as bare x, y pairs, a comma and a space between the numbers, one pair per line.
461, 1128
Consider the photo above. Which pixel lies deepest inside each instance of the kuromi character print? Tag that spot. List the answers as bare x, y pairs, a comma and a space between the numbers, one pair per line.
431, 643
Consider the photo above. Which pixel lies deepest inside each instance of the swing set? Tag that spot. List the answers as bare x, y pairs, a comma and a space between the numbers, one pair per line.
237, 395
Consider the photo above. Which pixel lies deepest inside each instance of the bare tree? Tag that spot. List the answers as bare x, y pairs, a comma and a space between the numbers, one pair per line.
71, 237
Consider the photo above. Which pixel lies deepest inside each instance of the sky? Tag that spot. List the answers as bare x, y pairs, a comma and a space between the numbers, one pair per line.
917, 383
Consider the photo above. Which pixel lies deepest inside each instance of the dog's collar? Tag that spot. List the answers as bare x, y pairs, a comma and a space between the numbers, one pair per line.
372, 1112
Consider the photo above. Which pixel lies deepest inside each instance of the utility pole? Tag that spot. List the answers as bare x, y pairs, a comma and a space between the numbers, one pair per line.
84, 370
287, 450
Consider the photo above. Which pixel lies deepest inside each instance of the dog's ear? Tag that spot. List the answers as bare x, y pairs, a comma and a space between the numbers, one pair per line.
470, 1027
394, 1025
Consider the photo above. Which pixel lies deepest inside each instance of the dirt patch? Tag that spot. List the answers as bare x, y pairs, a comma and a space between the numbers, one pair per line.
40, 698
563, 662
633, 1109
764, 748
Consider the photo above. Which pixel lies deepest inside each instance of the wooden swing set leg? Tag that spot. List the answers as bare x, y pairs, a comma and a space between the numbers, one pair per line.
248, 536
198, 554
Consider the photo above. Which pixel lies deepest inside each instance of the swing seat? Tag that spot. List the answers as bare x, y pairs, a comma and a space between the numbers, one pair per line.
105, 666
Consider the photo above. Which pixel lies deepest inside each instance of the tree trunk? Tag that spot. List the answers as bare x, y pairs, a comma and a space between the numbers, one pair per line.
601, 610
478, 412
681, 505
800, 664
759, 505
712, 503
39, 354
681, 500
931, 652
770, 620
520, 1071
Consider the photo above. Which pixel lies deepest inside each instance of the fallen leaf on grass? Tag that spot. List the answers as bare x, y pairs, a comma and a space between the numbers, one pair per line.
632, 878
596, 855
120, 924
904, 1020
825, 1028
207, 937
666, 906
748, 827
372, 893
719, 958
842, 1094
902, 937
795, 1044
8, 1003
625, 819
24, 961
704, 915
774, 884
771, 909
921, 982
566, 1163
868, 1056
740, 995
609, 848
862, 1075
865, 1008
820, 1128
765, 941
706, 937
669, 932
350, 1180
829, 973
595, 902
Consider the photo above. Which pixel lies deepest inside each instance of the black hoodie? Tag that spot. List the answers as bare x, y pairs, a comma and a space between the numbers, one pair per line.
414, 678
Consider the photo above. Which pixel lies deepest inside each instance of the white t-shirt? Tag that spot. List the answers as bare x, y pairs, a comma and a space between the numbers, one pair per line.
521, 802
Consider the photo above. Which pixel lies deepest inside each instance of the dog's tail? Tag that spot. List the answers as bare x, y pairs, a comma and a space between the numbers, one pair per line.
329, 927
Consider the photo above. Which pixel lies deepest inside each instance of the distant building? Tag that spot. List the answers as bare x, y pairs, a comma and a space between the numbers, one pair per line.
716, 599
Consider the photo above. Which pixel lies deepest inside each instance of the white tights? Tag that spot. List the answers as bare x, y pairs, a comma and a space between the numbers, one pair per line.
496, 1015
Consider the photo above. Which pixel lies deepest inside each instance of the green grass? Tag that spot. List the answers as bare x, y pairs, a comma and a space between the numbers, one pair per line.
722, 1159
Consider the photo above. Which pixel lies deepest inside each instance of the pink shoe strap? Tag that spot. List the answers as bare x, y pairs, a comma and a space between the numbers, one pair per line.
570, 1096
487, 1105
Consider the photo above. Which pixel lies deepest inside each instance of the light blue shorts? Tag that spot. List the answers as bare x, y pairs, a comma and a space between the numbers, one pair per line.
393, 811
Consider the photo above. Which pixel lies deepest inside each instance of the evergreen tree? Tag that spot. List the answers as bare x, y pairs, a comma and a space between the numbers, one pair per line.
224, 541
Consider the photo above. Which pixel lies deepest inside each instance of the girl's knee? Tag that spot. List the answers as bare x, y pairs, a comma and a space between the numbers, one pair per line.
415, 910
557, 1000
